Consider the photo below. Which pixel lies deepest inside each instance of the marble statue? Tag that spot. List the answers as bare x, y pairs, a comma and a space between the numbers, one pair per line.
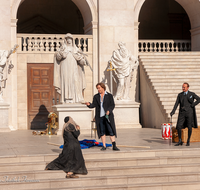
5, 68
69, 74
124, 64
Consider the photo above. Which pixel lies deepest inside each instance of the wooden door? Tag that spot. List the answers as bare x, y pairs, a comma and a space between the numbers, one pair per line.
40, 94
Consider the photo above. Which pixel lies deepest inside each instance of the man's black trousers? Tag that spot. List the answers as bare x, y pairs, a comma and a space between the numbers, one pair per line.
185, 116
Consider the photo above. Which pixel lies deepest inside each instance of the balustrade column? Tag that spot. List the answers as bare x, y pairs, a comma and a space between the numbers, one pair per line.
79, 43
84, 44
46, 45
29, 40
41, 45
24, 43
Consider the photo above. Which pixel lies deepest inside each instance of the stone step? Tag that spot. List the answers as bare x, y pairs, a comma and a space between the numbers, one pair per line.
171, 103
192, 185
171, 60
174, 87
15, 167
166, 55
169, 66
59, 174
168, 103
183, 77
124, 179
171, 56
179, 60
168, 63
87, 156
157, 158
170, 99
182, 53
172, 73
176, 91
90, 158
27, 158
174, 80
169, 107
165, 99
177, 110
170, 95
172, 70
150, 168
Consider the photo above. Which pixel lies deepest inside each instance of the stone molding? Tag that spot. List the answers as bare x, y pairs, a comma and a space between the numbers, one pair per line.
195, 31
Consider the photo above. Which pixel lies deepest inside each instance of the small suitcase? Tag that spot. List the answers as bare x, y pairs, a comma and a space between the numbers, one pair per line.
195, 137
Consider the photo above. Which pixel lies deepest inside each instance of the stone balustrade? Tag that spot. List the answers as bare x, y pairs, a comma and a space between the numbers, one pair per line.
51, 42
164, 45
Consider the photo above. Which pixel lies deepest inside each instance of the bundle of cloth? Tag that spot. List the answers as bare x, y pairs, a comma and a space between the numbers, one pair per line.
86, 143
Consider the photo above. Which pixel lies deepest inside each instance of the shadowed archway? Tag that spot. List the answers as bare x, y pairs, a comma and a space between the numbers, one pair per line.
163, 19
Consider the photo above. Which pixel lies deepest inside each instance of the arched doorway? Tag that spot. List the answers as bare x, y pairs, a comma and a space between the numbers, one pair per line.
164, 26
87, 9
164, 19
49, 17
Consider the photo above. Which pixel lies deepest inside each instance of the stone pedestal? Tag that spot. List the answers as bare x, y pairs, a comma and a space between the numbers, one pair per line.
4, 117
126, 114
80, 113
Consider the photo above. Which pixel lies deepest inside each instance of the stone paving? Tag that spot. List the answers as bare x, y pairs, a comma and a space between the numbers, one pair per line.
22, 142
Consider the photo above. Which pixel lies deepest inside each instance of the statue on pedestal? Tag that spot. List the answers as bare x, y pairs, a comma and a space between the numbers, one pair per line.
5, 68
69, 74
124, 64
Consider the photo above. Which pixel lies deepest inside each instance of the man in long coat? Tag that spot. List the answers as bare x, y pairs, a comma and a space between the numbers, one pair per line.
104, 117
187, 114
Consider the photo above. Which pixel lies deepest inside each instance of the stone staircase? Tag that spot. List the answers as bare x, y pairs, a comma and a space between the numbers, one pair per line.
132, 169
167, 72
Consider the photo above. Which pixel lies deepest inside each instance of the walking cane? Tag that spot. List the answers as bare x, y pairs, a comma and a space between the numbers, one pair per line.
171, 132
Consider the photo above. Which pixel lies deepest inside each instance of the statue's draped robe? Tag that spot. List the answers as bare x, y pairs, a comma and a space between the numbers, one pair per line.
69, 75
124, 64
121, 62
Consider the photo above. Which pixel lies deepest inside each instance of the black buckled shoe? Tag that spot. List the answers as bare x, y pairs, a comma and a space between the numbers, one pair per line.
188, 143
179, 143
115, 147
103, 148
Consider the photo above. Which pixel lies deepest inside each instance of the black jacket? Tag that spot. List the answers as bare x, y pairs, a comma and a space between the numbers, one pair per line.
191, 96
108, 105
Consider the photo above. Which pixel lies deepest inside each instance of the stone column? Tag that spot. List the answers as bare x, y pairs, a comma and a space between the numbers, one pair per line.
195, 39
136, 82
13, 119
5, 44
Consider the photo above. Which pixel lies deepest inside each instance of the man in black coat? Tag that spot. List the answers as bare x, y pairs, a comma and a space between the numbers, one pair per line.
187, 114
104, 117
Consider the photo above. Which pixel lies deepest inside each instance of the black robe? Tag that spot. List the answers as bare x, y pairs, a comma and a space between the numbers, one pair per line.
191, 96
71, 158
108, 105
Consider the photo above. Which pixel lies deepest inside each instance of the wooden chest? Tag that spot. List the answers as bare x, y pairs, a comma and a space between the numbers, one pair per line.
195, 137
